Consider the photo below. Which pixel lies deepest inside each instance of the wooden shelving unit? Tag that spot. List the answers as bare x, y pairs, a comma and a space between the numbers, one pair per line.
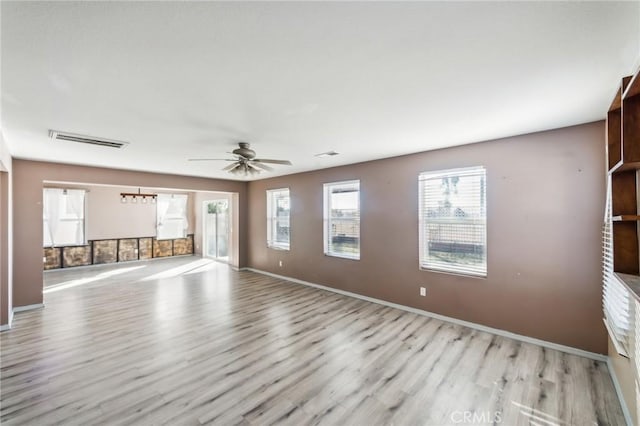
621, 239
623, 155
625, 217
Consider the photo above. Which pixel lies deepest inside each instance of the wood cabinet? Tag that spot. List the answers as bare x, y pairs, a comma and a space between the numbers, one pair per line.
623, 156
622, 264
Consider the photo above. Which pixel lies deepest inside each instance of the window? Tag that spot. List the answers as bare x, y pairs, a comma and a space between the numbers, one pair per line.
342, 219
616, 302
171, 216
453, 221
63, 217
278, 208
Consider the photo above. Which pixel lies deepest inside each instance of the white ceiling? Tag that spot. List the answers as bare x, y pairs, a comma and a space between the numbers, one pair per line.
369, 80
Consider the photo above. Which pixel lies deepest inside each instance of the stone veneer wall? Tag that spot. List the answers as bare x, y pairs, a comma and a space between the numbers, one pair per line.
115, 250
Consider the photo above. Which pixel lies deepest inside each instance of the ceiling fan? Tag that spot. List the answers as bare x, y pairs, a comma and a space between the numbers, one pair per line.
245, 161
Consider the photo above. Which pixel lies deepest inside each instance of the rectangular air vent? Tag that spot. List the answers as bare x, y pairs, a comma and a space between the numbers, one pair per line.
70, 137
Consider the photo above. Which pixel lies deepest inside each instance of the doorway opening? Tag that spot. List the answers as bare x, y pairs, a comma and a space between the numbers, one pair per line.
216, 229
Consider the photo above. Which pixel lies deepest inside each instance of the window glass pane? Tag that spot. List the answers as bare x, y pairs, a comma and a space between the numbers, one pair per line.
278, 216
63, 216
453, 221
342, 219
171, 216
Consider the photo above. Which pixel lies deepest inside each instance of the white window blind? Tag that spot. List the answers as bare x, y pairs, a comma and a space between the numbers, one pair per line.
171, 216
616, 302
63, 217
453, 221
637, 342
278, 215
342, 219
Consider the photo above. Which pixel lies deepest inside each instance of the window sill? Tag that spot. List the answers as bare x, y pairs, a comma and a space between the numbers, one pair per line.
631, 282
279, 248
459, 274
342, 256
621, 350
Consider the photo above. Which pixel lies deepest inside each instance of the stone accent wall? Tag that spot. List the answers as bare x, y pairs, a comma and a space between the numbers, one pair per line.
145, 250
117, 250
183, 246
53, 258
105, 251
76, 256
162, 248
127, 249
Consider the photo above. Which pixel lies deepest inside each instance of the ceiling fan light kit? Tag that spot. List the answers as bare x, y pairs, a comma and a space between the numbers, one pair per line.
245, 162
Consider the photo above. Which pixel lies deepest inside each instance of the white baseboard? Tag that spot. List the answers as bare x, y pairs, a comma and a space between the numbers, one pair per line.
480, 327
7, 326
28, 307
616, 385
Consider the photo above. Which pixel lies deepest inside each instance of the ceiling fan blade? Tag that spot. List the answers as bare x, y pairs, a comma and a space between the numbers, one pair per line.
262, 166
210, 159
264, 160
231, 166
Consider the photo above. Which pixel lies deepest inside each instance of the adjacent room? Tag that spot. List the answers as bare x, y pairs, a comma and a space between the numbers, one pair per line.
320, 213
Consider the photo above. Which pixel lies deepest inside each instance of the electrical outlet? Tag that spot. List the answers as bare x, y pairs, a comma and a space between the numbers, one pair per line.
280, 263
423, 291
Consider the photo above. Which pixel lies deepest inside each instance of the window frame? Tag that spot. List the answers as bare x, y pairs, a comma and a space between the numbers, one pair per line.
65, 216
423, 222
184, 218
272, 219
327, 219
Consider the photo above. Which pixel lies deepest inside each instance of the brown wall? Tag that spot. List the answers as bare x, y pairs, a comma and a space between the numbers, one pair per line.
545, 195
4, 248
28, 178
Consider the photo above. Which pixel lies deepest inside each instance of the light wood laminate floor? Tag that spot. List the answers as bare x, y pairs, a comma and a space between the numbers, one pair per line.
187, 342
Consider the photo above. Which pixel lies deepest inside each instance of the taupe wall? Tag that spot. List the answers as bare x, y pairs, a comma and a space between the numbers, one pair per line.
107, 217
6, 234
28, 182
545, 195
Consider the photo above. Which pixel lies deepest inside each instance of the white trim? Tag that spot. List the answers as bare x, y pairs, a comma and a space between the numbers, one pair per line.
5, 327
616, 385
621, 351
480, 327
28, 307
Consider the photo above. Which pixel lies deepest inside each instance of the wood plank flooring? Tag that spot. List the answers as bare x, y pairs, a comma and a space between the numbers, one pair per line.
187, 342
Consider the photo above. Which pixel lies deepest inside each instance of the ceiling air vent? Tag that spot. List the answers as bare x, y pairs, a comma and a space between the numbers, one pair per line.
70, 137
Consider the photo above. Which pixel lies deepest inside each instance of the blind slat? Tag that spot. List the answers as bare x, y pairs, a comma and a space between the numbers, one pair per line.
615, 297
